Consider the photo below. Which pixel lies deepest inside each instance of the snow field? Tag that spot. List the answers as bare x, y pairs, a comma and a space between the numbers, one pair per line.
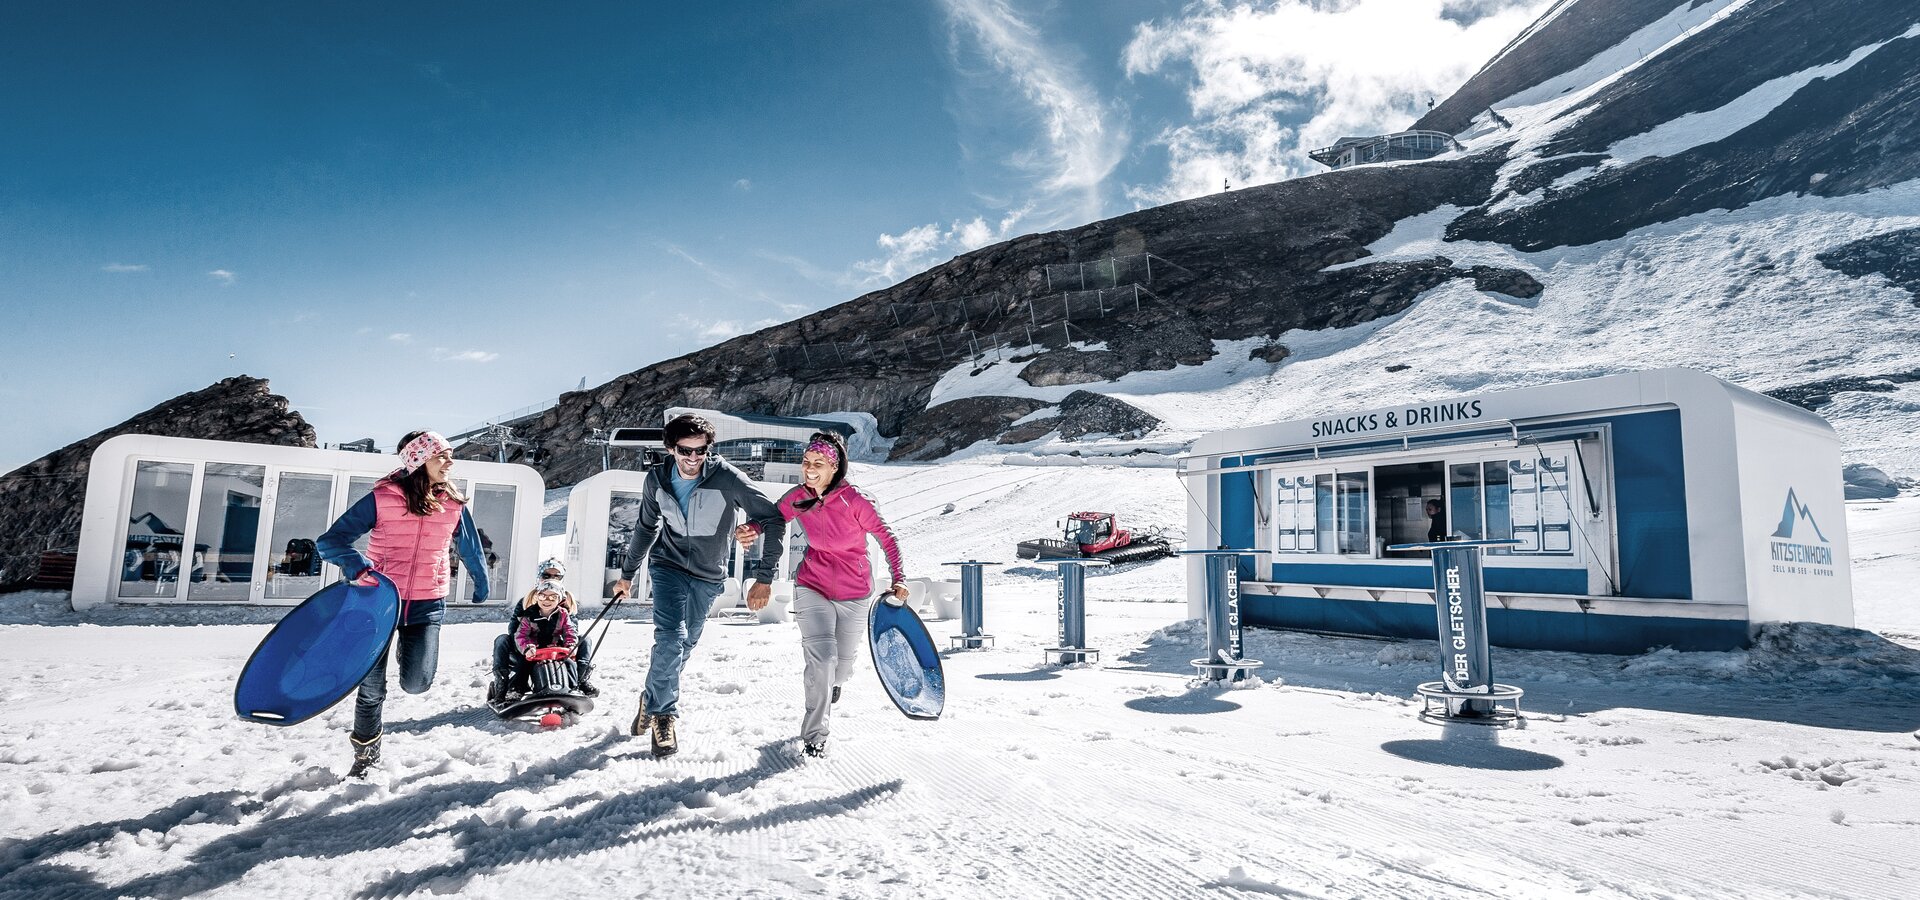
1784, 770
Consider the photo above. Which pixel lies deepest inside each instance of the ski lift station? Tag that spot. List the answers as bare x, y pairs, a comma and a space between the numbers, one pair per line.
1659, 508
178, 520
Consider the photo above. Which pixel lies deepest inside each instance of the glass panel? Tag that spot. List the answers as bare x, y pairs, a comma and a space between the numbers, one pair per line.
226, 531
623, 513
358, 486
1556, 504
492, 509
1499, 517
1283, 514
156, 517
1526, 505
300, 505
1354, 513
1323, 513
1463, 495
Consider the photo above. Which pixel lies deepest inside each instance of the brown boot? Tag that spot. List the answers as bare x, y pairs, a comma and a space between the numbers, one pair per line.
641, 721
665, 742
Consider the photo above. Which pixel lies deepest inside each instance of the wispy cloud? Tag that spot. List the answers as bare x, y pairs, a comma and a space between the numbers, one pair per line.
400, 337
918, 249
736, 286
123, 267
1073, 138
1269, 81
223, 276
442, 354
743, 185
713, 331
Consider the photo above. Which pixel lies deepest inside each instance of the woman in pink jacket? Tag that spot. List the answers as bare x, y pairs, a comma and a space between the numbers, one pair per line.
410, 518
831, 595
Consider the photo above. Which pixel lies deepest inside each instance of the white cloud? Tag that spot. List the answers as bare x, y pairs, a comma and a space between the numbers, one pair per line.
1080, 137
400, 337
123, 267
917, 249
1269, 81
713, 331
223, 276
1075, 138
442, 354
743, 184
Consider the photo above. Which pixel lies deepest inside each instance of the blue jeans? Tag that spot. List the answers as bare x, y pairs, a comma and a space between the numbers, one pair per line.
419, 658
680, 604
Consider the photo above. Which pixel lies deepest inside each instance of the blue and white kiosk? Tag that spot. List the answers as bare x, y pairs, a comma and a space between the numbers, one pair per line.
1657, 508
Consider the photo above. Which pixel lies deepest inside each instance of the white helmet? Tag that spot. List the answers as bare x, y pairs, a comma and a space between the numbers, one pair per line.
552, 564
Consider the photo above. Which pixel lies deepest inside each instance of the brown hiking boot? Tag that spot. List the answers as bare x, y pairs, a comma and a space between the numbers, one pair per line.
641, 721
665, 742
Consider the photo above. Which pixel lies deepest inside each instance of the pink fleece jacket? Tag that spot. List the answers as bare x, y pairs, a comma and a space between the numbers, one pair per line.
836, 564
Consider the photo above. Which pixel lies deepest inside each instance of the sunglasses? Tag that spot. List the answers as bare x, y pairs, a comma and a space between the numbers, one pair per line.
691, 452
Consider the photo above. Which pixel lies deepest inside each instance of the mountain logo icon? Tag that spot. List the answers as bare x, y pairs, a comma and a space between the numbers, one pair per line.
1791, 517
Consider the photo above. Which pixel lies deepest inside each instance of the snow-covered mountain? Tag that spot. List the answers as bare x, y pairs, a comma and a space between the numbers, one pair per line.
1731, 185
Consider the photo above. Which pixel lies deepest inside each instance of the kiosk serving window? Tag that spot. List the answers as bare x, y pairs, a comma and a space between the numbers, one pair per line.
1525, 493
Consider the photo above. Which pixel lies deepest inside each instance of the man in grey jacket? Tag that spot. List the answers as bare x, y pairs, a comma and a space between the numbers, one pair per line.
685, 533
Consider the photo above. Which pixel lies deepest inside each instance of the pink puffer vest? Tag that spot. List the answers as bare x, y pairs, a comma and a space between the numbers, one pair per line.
412, 550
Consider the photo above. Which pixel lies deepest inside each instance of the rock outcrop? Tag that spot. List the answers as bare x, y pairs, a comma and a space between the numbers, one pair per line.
41, 502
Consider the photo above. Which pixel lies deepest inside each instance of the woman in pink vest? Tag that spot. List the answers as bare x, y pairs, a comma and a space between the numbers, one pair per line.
834, 586
410, 519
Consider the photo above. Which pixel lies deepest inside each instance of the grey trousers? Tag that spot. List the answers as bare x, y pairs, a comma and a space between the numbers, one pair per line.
832, 632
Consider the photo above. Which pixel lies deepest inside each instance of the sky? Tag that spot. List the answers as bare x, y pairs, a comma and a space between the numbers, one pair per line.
429, 215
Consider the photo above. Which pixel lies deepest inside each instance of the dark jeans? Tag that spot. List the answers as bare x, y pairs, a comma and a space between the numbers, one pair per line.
680, 604
509, 664
419, 658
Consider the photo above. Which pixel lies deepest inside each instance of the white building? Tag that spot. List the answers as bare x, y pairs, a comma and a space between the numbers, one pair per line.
177, 520
1660, 508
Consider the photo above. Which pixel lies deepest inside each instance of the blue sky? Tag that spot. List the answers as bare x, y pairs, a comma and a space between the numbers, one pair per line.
412, 215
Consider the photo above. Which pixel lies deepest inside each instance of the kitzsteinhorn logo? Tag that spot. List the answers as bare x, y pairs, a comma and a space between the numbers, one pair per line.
1787, 549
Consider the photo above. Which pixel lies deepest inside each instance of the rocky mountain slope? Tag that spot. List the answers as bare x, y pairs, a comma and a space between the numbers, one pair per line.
41, 502
1604, 123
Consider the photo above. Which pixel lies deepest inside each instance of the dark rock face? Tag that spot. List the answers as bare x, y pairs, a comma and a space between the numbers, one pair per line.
1084, 412
1815, 394
41, 502
1895, 255
959, 424
1846, 134
1544, 51
1512, 282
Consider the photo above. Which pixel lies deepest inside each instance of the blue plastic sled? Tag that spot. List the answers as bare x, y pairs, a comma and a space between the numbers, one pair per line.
904, 657
318, 653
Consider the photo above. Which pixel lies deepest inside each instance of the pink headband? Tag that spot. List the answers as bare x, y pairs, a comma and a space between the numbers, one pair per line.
825, 449
427, 446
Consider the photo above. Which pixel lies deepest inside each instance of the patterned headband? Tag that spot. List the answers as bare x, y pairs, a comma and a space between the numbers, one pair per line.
825, 449
427, 446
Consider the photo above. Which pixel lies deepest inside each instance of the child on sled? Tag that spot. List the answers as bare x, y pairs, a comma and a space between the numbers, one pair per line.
509, 662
